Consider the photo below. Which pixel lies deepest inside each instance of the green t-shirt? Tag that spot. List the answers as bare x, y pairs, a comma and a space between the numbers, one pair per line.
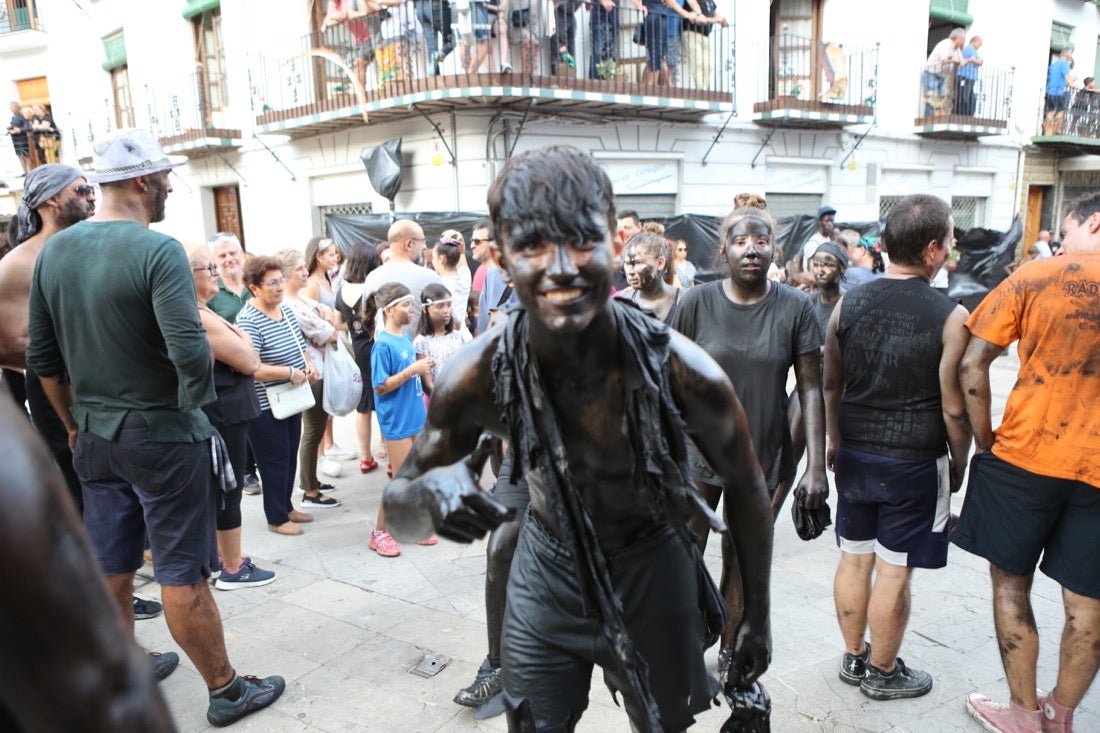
227, 304
113, 304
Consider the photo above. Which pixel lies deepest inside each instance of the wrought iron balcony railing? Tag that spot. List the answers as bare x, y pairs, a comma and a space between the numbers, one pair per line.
809, 81
362, 70
967, 101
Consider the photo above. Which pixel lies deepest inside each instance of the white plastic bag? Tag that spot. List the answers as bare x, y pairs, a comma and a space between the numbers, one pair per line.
343, 384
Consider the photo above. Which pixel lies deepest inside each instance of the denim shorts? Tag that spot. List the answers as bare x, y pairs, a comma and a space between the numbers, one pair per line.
482, 22
133, 487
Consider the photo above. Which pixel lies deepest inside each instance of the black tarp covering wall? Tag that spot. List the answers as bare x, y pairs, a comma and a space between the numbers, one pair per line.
983, 252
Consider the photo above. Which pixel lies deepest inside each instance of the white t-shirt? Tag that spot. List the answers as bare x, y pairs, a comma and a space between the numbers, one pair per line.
414, 277
1044, 249
459, 285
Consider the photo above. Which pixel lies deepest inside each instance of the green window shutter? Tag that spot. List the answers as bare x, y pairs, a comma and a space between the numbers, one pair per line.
950, 11
198, 7
1060, 36
114, 48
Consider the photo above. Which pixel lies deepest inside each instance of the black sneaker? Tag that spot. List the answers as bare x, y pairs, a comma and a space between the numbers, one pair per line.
486, 685
902, 682
144, 609
258, 694
854, 666
251, 484
164, 664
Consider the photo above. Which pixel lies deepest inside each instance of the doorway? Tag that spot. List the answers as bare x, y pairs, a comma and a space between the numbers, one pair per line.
227, 211
1040, 201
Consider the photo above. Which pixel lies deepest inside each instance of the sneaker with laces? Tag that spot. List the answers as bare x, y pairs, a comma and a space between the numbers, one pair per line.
337, 453
251, 484
1056, 718
247, 576
164, 664
382, 543
258, 694
854, 666
144, 609
1000, 717
320, 501
486, 685
899, 683
329, 467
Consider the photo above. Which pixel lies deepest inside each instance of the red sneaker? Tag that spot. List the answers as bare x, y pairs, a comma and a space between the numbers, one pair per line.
431, 540
1000, 717
382, 543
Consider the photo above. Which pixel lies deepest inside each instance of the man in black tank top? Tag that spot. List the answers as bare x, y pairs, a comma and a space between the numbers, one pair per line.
898, 441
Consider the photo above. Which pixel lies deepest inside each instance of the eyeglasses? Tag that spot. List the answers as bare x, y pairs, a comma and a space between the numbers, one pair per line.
274, 282
479, 241
211, 268
681, 249
418, 239
84, 190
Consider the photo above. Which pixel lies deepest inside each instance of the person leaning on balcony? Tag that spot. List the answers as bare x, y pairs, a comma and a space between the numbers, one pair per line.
945, 56
361, 21
1084, 109
966, 81
696, 41
1059, 82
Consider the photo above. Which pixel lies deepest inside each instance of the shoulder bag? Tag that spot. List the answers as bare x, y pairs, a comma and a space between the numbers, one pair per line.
288, 399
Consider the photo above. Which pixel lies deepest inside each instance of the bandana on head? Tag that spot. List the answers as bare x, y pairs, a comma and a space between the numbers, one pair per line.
41, 185
835, 250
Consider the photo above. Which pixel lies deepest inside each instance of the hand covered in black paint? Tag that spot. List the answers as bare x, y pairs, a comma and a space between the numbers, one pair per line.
752, 654
814, 487
458, 509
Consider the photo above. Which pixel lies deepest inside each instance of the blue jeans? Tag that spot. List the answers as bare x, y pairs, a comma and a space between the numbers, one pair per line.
276, 446
605, 39
435, 17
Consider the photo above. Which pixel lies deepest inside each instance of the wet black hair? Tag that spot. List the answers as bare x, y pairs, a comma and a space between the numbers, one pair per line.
555, 194
912, 224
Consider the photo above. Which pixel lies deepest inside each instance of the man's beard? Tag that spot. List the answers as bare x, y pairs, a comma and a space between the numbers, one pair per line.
73, 211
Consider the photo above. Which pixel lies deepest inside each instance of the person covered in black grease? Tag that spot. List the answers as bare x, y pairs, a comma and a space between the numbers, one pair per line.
606, 570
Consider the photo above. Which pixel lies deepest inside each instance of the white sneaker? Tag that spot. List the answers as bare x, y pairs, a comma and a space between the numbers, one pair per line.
329, 467
337, 453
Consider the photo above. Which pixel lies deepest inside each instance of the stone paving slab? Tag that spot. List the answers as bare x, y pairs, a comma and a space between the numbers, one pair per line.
344, 626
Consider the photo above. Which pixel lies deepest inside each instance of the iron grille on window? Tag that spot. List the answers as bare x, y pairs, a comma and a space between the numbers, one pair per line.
886, 204
342, 210
969, 211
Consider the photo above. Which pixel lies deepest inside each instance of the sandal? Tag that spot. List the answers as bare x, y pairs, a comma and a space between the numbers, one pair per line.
325, 488
389, 470
366, 465
320, 501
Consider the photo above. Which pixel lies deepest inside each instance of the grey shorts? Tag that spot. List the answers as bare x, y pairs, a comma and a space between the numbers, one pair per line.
134, 486
551, 641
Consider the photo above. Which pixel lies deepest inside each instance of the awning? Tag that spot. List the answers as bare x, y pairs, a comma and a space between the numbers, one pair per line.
198, 7
114, 48
950, 11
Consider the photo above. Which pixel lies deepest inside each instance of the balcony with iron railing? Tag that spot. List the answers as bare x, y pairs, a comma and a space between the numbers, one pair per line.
812, 83
343, 76
188, 117
963, 103
18, 15
1069, 124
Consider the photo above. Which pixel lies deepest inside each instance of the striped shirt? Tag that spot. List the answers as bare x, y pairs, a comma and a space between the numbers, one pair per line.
279, 343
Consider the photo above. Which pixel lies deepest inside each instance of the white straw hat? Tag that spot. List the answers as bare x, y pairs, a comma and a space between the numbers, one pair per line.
129, 153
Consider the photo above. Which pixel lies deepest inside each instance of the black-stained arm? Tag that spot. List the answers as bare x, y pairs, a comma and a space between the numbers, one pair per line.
65, 634
955, 339
718, 426
436, 488
974, 380
833, 385
813, 484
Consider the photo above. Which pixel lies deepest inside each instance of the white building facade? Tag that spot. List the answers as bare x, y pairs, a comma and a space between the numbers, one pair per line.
807, 101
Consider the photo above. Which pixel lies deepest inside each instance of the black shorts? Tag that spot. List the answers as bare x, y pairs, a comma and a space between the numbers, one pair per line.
550, 640
133, 486
1057, 102
1011, 516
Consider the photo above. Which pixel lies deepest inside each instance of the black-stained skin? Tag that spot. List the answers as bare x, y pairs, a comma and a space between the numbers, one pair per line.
555, 222
69, 662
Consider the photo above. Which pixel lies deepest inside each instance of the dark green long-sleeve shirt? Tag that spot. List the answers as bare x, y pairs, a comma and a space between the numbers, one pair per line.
113, 304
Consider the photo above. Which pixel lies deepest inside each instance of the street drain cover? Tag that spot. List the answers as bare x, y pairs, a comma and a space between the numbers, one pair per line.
430, 665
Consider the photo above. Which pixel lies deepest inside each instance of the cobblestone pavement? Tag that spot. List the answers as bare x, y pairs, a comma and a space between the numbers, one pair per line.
344, 626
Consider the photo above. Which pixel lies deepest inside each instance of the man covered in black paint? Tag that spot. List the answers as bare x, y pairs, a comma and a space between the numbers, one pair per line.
595, 398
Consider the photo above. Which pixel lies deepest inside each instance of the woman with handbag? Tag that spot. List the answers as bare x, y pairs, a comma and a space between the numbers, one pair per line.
235, 361
282, 386
318, 334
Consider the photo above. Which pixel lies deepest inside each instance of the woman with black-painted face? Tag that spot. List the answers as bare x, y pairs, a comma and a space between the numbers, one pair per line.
757, 330
647, 263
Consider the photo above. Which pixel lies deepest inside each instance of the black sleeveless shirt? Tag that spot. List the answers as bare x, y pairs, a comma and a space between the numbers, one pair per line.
891, 339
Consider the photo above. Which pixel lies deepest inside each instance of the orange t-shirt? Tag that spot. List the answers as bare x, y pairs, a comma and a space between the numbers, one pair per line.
1051, 423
